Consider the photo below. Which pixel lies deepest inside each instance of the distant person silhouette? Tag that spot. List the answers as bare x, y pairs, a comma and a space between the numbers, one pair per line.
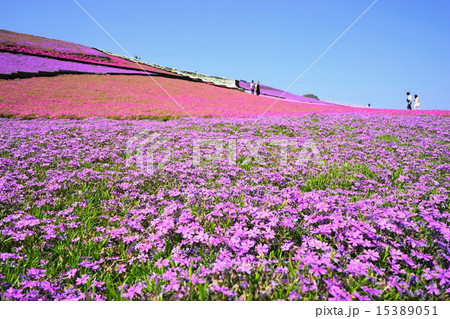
252, 87
408, 100
258, 88
368, 105
416, 102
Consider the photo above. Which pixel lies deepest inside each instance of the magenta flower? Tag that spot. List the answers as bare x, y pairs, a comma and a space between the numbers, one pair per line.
371, 255
293, 295
371, 291
262, 249
317, 270
162, 263
357, 267
225, 290
287, 245
71, 273
15, 294
172, 286
432, 289
36, 273
245, 268
121, 268
82, 280
132, 291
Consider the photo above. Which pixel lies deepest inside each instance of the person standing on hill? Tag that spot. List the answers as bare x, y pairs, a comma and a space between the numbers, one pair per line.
258, 88
416, 102
252, 87
408, 100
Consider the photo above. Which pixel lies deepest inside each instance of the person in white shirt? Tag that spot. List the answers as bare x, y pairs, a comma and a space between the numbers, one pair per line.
416, 102
252, 87
409, 101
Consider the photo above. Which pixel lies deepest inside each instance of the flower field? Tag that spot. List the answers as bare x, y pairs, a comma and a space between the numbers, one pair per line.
11, 64
356, 208
39, 46
129, 96
130, 187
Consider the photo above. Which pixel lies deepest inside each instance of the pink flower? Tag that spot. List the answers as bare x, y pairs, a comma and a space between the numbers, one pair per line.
82, 280
121, 268
262, 249
133, 291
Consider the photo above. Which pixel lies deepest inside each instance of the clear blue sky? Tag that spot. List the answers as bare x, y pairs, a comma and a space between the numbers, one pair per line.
398, 46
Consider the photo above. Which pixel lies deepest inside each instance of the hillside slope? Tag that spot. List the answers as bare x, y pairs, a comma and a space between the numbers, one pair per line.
88, 82
24, 44
119, 96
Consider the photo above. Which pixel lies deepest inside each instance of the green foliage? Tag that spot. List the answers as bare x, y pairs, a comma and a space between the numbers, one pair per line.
313, 96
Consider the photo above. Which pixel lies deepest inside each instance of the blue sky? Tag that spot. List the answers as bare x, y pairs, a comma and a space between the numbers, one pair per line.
397, 46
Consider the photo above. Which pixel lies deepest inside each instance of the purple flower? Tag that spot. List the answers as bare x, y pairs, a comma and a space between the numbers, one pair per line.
371, 255
224, 290
36, 273
262, 249
287, 245
432, 289
317, 270
172, 286
322, 207
133, 291
293, 295
361, 297
5, 256
162, 263
371, 291
82, 280
71, 273
428, 274
357, 267
12, 293
245, 268
121, 268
